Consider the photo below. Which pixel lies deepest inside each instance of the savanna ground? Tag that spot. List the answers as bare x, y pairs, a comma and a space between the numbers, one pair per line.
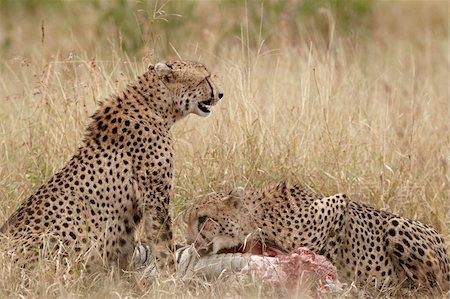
340, 96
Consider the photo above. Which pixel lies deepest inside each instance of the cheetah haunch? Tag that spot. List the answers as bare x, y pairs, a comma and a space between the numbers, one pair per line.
122, 174
368, 246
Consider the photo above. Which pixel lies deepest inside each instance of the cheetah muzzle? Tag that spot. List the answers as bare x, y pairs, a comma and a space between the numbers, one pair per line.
204, 107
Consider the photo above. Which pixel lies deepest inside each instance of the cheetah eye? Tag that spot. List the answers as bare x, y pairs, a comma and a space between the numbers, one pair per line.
201, 220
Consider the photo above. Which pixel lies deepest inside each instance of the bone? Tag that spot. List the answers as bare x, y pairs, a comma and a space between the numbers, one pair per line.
191, 264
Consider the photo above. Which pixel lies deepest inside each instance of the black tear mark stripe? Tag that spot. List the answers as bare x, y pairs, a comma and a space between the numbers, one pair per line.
210, 86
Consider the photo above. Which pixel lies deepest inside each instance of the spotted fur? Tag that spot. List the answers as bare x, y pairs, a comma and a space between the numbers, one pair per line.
367, 245
121, 176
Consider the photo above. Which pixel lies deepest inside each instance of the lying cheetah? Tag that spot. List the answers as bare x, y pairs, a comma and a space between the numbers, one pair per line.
366, 245
121, 175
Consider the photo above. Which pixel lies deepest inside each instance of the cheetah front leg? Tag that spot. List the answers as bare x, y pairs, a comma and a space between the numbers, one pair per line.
125, 252
152, 201
158, 233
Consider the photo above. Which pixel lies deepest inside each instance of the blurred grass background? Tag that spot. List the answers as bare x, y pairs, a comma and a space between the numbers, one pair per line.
342, 96
136, 26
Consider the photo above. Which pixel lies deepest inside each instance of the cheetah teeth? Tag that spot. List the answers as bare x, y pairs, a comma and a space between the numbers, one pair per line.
205, 106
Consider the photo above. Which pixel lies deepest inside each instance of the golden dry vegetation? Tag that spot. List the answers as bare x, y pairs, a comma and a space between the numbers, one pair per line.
341, 98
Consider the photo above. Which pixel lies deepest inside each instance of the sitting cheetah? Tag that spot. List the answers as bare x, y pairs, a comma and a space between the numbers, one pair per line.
366, 245
121, 175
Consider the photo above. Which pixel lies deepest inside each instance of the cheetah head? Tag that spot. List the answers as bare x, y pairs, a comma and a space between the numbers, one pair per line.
215, 222
190, 86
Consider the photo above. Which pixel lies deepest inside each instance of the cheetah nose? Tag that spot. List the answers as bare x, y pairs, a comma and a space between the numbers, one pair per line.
220, 95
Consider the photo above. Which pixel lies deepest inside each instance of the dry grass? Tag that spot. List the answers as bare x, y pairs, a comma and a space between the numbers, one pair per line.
365, 116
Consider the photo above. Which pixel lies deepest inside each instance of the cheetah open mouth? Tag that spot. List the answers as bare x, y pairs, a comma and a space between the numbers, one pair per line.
205, 106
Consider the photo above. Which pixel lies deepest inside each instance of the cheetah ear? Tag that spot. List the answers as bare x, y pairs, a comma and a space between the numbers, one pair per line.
236, 197
162, 69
